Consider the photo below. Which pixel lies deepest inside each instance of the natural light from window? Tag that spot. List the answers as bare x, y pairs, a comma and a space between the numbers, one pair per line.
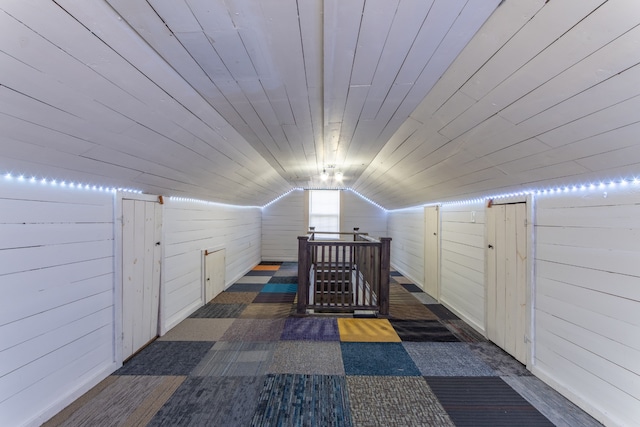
324, 212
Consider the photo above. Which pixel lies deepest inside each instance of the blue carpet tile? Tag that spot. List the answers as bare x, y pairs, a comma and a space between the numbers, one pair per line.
280, 288
275, 297
484, 401
219, 311
303, 400
310, 329
211, 401
166, 358
366, 358
245, 287
442, 312
422, 331
395, 274
284, 279
447, 359
411, 287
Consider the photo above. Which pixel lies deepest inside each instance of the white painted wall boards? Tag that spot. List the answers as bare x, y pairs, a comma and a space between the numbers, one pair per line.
141, 254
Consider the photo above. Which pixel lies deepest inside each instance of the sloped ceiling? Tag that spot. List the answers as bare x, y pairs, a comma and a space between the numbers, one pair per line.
238, 101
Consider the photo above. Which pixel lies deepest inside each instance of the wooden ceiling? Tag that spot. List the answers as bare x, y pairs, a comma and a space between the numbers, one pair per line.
237, 101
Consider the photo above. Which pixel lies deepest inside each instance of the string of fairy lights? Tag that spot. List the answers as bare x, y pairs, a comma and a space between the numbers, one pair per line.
591, 186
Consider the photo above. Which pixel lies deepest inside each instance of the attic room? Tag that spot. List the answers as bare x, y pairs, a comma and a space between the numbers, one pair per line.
196, 126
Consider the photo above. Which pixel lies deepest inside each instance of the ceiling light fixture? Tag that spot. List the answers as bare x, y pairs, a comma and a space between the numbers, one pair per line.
339, 176
324, 176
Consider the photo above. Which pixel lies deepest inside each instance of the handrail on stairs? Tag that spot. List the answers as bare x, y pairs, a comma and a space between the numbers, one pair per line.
343, 275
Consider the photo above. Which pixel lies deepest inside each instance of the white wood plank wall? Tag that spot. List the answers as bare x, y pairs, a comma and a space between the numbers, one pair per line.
587, 320
282, 222
57, 304
462, 282
358, 212
406, 229
190, 228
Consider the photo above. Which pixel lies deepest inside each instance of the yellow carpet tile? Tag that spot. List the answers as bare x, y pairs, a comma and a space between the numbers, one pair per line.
266, 267
366, 330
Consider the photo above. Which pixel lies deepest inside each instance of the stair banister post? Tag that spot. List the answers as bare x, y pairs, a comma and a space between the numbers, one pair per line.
304, 264
385, 270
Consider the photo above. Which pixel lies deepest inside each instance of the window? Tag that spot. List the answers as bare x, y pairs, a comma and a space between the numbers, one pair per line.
324, 212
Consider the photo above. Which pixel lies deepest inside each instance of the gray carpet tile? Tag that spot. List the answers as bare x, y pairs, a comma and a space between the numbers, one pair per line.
500, 361
250, 280
442, 312
166, 358
284, 279
422, 331
394, 402
215, 310
411, 287
303, 400
245, 287
446, 359
484, 402
286, 272
550, 403
254, 330
463, 331
196, 329
307, 357
236, 359
424, 298
211, 401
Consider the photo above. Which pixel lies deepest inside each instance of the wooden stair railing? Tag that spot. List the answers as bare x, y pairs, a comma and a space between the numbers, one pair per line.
343, 276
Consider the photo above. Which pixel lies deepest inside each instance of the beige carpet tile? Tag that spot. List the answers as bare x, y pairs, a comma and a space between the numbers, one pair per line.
235, 298
254, 279
152, 404
267, 311
424, 298
60, 418
194, 329
394, 402
307, 357
411, 312
129, 400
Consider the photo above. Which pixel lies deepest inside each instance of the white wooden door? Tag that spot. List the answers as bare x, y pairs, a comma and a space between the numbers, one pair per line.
214, 274
432, 251
141, 252
507, 278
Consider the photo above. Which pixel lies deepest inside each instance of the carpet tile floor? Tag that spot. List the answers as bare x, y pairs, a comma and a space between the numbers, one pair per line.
246, 359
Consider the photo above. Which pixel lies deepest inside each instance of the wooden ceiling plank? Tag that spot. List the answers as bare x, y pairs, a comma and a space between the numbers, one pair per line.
377, 18
546, 26
34, 133
555, 59
340, 39
611, 69
616, 116
177, 15
501, 26
406, 26
212, 15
